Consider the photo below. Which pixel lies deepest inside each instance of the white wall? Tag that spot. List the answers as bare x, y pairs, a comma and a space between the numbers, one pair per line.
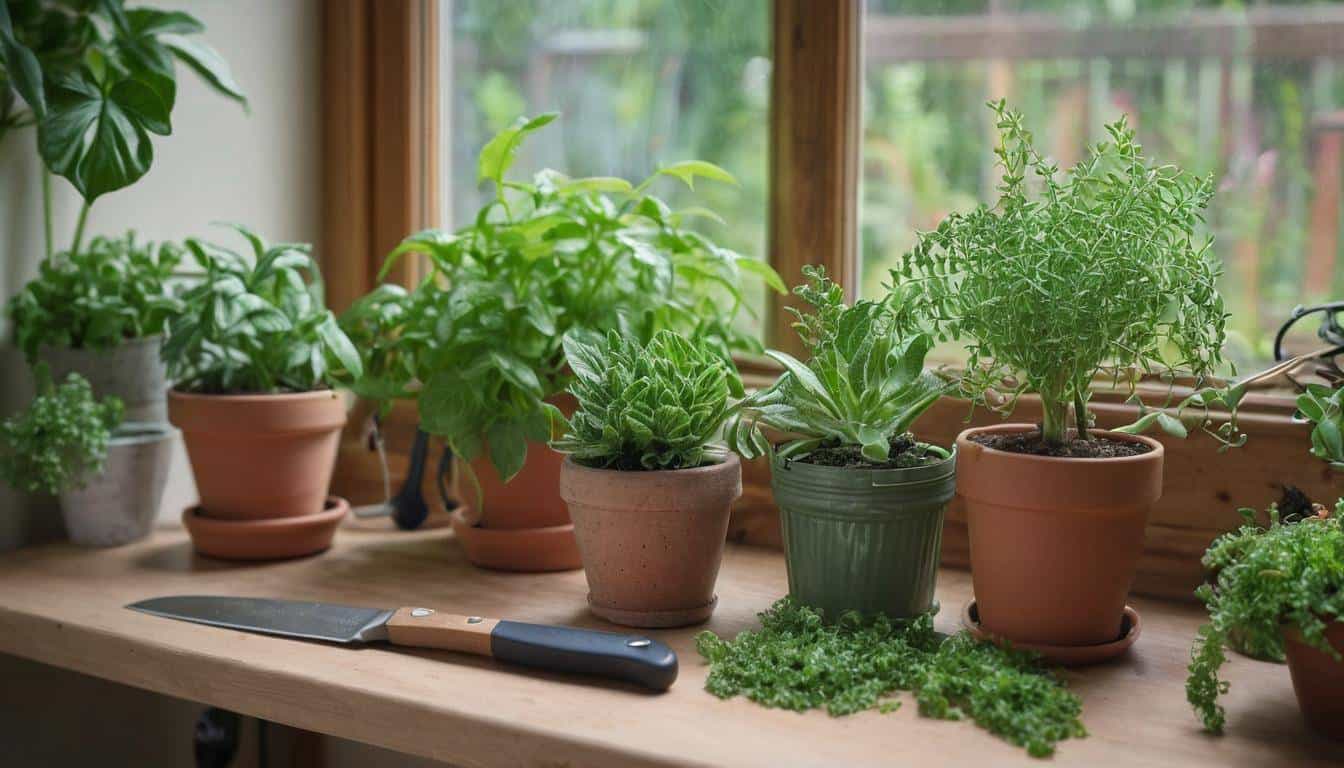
219, 164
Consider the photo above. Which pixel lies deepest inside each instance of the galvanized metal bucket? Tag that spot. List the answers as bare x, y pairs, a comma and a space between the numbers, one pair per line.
863, 539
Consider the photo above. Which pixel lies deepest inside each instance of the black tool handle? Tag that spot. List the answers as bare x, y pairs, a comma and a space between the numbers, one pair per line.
632, 658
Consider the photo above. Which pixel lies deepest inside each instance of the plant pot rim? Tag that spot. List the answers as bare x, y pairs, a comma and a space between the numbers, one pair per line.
140, 432
724, 458
254, 396
928, 472
135, 341
1157, 452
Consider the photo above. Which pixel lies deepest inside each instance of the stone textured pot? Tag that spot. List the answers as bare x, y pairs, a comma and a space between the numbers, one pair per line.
260, 456
652, 542
865, 540
522, 525
1054, 541
1318, 680
119, 506
132, 372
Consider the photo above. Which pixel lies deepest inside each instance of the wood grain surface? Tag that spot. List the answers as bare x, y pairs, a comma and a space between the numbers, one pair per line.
63, 606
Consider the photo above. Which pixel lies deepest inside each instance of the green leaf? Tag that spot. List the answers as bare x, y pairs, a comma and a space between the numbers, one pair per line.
498, 154
338, 344
687, 171
611, 184
21, 66
763, 271
207, 63
507, 442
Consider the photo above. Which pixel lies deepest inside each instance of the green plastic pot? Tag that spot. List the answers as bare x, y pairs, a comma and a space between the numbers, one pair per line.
863, 539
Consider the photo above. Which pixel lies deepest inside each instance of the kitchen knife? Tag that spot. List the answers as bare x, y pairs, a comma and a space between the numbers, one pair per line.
632, 658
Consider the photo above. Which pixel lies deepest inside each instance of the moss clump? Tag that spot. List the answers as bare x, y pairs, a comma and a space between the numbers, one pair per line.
797, 661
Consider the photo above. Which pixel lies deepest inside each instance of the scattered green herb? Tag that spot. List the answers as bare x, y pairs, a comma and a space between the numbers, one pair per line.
658, 406
60, 439
863, 386
1101, 271
1265, 579
480, 340
798, 661
257, 324
112, 291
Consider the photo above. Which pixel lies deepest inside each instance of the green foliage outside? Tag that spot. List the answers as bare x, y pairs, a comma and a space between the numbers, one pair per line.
1265, 579
480, 341
656, 406
798, 661
97, 298
60, 440
257, 324
96, 79
863, 385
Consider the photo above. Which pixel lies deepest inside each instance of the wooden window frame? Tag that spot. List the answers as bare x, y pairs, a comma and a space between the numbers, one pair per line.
380, 84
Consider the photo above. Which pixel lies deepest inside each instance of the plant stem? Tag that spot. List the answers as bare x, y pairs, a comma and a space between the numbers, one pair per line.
1054, 420
79, 228
1080, 416
46, 209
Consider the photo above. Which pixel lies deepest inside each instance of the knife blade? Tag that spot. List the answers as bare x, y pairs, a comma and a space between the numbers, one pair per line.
631, 658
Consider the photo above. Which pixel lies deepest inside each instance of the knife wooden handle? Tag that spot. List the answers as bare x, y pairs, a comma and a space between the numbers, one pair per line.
632, 658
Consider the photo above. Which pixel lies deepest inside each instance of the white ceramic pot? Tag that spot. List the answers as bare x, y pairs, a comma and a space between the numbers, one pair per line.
133, 372
119, 506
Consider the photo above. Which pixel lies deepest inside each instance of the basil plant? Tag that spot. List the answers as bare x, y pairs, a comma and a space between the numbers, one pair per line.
481, 340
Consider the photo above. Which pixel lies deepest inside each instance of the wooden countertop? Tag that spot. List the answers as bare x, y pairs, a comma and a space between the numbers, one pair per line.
63, 606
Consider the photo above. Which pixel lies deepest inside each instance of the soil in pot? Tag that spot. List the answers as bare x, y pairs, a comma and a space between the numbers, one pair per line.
652, 541
119, 506
1318, 680
864, 539
1055, 541
260, 456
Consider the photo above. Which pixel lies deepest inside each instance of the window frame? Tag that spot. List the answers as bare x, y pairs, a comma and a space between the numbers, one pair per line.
380, 87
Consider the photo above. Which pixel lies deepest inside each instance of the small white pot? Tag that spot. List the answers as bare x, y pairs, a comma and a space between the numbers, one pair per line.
119, 506
132, 371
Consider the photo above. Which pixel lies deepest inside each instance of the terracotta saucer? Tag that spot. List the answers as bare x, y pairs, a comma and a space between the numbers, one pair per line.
526, 550
655, 619
1066, 655
271, 539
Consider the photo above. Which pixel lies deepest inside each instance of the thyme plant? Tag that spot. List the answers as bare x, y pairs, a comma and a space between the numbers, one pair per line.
1265, 579
798, 661
862, 387
656, 406
60, 440
1101, 270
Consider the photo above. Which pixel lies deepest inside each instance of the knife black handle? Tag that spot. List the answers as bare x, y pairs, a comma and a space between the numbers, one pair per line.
632, 658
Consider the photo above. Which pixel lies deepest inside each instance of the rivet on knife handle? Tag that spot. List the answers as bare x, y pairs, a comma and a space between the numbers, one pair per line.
631, 658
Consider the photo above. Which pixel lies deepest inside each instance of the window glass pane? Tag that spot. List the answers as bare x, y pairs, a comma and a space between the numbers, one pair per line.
1250, 92
638, 83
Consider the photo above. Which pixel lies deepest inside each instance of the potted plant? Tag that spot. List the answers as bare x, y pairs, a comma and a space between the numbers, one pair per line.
255, 354
100, 312
109, 475
861, 500
479, 343
95, 80
1277, 584
1100, 273
648, 493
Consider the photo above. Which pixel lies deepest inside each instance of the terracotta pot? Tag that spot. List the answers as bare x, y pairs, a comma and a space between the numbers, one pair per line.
1054, 541
651, 542
278, 538
1318, 680
260, 456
